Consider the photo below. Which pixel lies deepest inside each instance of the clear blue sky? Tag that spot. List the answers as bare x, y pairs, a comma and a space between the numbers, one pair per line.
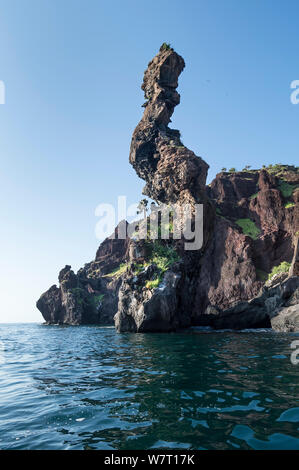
73, 70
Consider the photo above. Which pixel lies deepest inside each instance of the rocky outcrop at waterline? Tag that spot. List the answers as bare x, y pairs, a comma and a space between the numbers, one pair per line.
275, 307
91, 295
173, 175
143, 309
251, 226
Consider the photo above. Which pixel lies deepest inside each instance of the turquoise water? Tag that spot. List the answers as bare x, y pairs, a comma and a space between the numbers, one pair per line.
88, 387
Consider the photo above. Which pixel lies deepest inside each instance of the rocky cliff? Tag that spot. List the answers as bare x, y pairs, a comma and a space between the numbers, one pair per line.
257, 218
91, 295
250, 228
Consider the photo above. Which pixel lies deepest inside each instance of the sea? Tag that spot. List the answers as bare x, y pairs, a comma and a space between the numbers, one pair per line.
88, 387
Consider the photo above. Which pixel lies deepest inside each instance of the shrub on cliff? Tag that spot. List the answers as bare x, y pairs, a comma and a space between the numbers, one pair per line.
283, 267
279, 169
163, 256
286, 189
165, 47
289, 204
154, 283
249, 228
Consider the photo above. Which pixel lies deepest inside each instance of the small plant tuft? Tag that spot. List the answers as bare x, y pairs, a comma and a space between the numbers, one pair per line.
117, 272
153, 284
165, 47
286, 188
163, 256
249, 228
283, 267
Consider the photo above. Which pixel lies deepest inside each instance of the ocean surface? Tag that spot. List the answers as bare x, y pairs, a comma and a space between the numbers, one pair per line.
91, 388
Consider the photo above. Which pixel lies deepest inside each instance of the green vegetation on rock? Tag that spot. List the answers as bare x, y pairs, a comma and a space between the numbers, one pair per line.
163, 256
77, 292
165, 47
154, 283
95, 300
289, 204
138, 268
279, 168
80, 295
117, 272
286, 188
99, 298
85, 300
283, 267
249, 228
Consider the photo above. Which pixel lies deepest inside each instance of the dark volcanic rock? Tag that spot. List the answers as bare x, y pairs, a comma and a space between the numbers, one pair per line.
142, 309
50, 305
250, 225
253, 231
228, 273
172, 172
235, 265
112, 251
90, 296
294, 270
173, 175
275, 307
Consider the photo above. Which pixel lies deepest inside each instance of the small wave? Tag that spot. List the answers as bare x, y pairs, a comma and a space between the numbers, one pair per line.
209, 329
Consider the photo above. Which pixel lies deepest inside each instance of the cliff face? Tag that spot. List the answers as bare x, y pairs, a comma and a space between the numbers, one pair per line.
238, 260
250, 225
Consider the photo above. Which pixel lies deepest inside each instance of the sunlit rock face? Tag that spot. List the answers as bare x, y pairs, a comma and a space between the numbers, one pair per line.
250, 225
172, 172
173, 175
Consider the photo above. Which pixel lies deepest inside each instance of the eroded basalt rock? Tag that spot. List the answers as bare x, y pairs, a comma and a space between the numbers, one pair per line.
91, 295
236, 265
142, 309
173, 175
294, 270
172, 172
251, 224
232, 265
275, 307
50, 305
